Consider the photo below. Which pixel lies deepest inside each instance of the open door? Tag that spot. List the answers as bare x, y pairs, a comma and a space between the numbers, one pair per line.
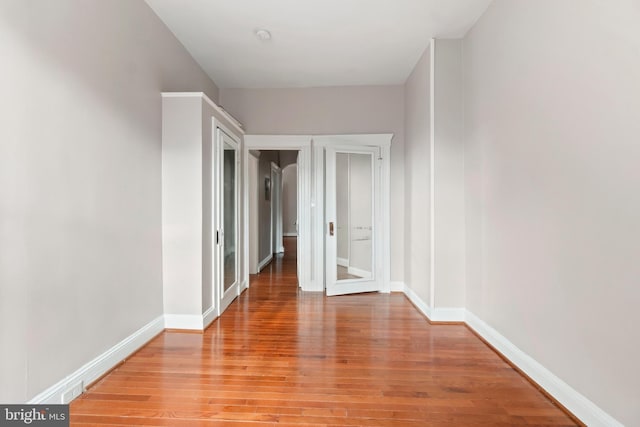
227, 226
352, 212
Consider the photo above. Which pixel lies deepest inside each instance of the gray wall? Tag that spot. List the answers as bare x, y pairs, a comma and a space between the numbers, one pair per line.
287, 157
265, 246
551, 115
289, 197
416, 177
449, 236
332, 110
186, 219
80, 170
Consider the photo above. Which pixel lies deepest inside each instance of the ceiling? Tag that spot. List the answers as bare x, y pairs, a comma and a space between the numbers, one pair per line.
314, 42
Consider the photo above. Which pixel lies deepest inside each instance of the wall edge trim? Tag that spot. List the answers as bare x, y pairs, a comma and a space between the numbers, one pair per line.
100, 365
573, 401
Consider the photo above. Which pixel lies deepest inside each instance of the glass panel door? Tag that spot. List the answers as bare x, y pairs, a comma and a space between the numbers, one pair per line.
229, 215
351, 178
227, 206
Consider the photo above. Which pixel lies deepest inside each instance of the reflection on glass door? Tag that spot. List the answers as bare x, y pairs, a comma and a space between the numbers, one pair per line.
350, 210
226, 153
354, 216
229, 215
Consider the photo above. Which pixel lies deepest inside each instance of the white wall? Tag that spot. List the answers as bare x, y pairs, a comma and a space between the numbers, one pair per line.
80, 171
551, 113
289, 198
332, 110
416, 178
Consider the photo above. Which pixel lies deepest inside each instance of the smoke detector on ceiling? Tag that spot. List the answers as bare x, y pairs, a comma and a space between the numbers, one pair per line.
263, 35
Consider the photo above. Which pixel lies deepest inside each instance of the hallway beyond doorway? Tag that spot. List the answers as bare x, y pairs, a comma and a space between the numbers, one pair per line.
281, 271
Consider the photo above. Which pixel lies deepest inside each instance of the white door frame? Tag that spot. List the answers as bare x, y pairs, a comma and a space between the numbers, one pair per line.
252, 210
312, 226
302, 143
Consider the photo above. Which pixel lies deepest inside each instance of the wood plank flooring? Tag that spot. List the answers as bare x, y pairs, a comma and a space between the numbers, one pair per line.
279, 357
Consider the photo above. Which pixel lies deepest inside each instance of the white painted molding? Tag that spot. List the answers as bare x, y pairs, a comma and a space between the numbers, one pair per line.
342, 262
417, 301
208, 317
318, 216
376, 139
448, 314
264, 262
432, 172
224, 113
587, 411
97, 367
184, 321
443, 314
385, 184
397, 287
302, 143
277, 142
290, 234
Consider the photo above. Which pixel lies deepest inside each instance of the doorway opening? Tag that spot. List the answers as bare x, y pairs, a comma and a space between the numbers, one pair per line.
316, 246
273, 208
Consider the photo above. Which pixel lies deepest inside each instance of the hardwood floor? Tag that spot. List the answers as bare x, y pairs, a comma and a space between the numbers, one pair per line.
281, 357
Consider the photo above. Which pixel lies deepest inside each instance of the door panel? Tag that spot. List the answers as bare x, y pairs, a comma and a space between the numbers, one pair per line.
227, 254
351, 177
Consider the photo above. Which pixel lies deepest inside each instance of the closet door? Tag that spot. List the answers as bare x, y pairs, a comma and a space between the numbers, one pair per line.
226, 205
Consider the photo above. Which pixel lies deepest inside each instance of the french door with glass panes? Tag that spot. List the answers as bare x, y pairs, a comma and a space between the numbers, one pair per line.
225, 182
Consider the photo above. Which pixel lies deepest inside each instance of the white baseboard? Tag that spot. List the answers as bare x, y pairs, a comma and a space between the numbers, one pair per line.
192, 322
587, 411
438, 314
342, 262
314, 286
292, 234
281, 250
417, 301
208, 317
448, 314
97, 367
358, 272
396, 287
264, 262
